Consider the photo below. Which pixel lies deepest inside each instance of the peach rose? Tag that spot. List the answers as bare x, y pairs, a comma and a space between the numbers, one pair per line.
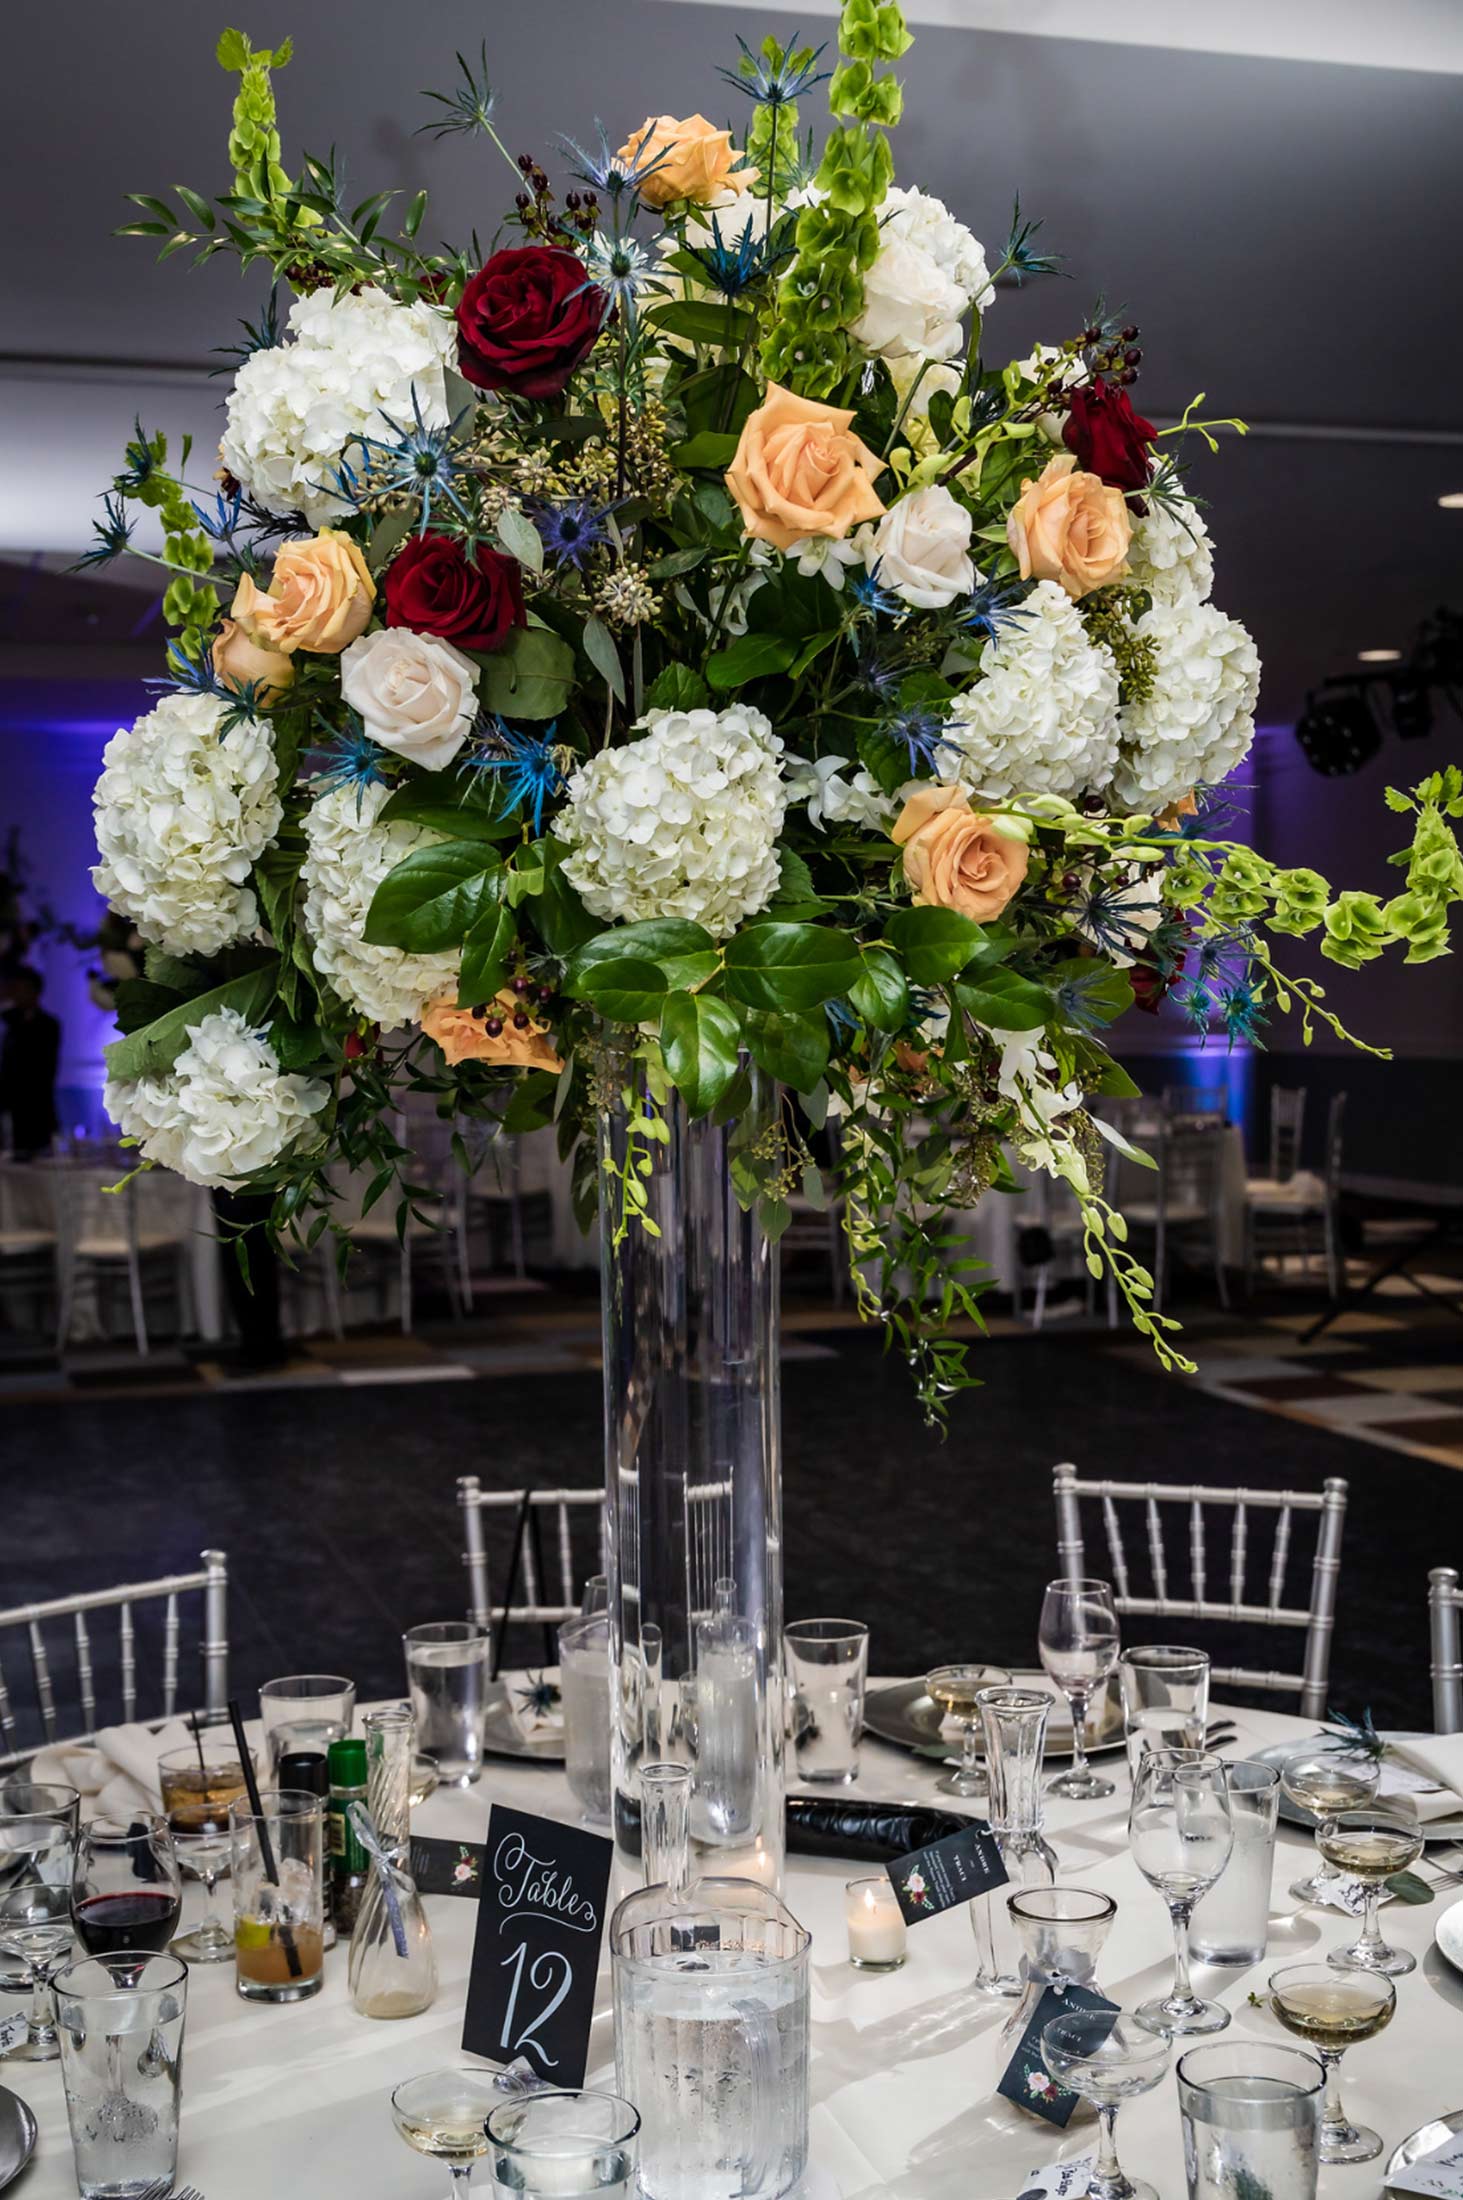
464, 1037
958, 858
697, 164
319, 597
1069, 527
799, 470
239, 661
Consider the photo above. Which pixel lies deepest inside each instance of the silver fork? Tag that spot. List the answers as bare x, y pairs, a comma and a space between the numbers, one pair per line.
162, 2188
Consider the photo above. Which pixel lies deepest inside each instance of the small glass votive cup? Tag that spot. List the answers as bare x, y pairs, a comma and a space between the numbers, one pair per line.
447, 1681
543, 2145
1251, 2117
584, 1688
305, 1711
665, 1825
1232, 1922
120, 2019
878, 1938
1165, 1689
828, 1670
277, 1859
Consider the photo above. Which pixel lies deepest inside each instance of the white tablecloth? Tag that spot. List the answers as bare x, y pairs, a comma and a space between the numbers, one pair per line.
294, 2101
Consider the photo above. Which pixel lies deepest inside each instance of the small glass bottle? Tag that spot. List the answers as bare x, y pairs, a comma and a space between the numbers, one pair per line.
393, 1965
348, 1862
1014, 1723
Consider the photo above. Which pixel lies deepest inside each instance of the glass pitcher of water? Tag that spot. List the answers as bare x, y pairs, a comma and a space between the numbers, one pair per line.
711, 2039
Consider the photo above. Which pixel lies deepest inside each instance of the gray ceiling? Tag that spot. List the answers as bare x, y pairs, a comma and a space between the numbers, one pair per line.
1282, 230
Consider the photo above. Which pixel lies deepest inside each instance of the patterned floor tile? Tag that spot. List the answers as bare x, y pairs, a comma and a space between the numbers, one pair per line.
1424, 1380
1365, 1409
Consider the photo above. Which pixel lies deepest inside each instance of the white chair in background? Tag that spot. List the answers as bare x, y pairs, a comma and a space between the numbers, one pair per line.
1444, 1604
1316, 1617
1298, 1213
33, 1619
30, 1236
1183, 1201
135, 1230
538, 1605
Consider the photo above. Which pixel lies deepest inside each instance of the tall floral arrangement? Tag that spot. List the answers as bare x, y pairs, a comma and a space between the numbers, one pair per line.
672, 640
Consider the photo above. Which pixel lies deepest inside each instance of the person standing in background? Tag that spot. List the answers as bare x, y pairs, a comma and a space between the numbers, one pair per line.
29, 1053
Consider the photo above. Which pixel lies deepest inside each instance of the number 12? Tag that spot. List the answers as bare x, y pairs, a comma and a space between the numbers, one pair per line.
540, 1975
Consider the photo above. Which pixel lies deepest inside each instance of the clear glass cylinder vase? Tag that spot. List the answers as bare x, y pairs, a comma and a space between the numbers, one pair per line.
693, 1477
1014, 1723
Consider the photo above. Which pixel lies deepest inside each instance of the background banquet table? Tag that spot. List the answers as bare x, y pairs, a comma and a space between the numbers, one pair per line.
296, 2100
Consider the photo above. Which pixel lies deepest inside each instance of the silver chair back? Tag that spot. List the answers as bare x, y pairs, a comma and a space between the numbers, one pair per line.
538, 1605
1316, 1617
1444, 1603
1287, 1123
211, 1580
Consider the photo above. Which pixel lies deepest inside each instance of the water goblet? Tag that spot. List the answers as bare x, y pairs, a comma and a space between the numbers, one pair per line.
445, 2114
1078, 1640
197, 1789
1321, 1781
547, 2143
1108, 2060
1165, 1689
956, 1688
1372, 1844
35, 1920
1331, 2010
1180, 1832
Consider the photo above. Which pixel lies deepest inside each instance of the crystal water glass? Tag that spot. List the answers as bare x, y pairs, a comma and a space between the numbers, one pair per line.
1232, 1924
1108, 2060
447, 1681
548, 2144
956, 1689
665, 1825
445, 2113
1165, 1689
121, 2020
1322, 1781
35, 1916
1078, 1640
1332, 2010
197, 1789
827, 1671
584, 1686
305, 1711
1251, 2113
1181, 1833
1371, 1845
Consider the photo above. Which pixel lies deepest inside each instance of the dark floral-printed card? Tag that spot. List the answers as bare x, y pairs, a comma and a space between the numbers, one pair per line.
446, 1867
1027, 2081
947, 1872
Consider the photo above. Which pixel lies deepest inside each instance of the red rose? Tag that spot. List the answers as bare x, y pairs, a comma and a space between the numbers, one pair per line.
527, 319
1109, 438
431, 587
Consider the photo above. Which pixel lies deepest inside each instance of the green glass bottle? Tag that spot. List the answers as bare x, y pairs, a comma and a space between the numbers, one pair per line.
350, 1867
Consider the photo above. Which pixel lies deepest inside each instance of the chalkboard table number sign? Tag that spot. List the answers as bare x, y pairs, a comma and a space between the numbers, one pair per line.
541, 1918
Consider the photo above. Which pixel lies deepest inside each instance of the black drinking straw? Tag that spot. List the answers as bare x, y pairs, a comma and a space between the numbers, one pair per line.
266, 1846
514, 1563
198, 1745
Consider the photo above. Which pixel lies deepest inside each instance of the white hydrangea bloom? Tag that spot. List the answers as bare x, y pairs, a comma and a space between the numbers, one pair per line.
224, 1109
682, 823
181, 814
928, 272
349, 855
296, 405
1170, 553
928, 222
1043, 717
1198, 723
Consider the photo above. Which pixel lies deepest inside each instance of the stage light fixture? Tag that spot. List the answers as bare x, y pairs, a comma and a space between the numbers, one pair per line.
1337, 731
1412, 709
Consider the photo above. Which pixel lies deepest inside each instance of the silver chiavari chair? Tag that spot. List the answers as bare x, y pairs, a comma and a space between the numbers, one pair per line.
211, 1580
1444, 1603
537, 1606
1317, 1617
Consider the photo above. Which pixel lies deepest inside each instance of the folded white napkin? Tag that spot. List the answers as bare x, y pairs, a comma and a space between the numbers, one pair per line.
116, 1775
1434, 1758
535, 1719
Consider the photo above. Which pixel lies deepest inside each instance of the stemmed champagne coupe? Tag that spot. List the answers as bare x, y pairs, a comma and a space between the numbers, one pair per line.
1331, 2010
1078, 1638
1108, 2061
1372, 1844
955, 1689
1180, 1832
1322, 1781
445, 2115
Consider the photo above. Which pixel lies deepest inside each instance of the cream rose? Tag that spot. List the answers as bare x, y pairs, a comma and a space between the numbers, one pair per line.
240, 663
416, 694
912, 308
1070, 528
799, 470
959, 858
697, 162
922, 549
319, 597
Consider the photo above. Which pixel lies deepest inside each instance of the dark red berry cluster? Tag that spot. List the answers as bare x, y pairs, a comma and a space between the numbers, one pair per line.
1117, 357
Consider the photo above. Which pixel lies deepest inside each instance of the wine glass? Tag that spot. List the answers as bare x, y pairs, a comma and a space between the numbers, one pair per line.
197, 1790
1078, 1638
1320, 1781
955, 1689
126, 1891
1331, 2010
1372, 1844
445, 2114
1108, 2061
35, 1919
1180, 1834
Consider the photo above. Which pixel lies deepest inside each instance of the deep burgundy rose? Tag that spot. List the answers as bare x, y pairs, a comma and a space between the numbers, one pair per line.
526, 320
431, 587
1109, 438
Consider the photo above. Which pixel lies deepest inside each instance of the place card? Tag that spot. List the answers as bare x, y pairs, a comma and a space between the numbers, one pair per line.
955, 1869
1439, 2173
1067, 2180
446, 1867
541, 1917
1027, 2082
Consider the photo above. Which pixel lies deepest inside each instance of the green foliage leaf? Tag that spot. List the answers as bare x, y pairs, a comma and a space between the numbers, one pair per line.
485, 954
629, 990
532, 676
1409, 1887
704, 323
796, 894
676, 562
677, 687
707, 449
1005, 1001
936, 944
789, 966
438, 802
599, 648
699, 1037
879, 992
532, 1105
520, 538
153, 1050
791, 1048
685, 952
750, 657
139, 1002
1105, 993
430, 901
562, 919
297, 1046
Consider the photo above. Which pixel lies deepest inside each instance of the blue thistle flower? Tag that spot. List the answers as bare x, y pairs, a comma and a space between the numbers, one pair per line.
872, 598
1244, 1017
920, 732
260, 335
352, 759
142, 458
113, 534
195, 676
842, 1022
421, 463
469, 106
1020, 257
571, 530
879, 673
993, 607
733, 268
1080, 998
606, 170
530, 763
619, 269
776, 77
1117, 920
221, 524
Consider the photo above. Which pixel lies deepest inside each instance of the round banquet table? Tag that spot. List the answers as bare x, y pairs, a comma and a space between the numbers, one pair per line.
295, 2100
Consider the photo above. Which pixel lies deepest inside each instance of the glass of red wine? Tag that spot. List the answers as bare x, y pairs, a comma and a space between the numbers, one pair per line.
126, 1890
